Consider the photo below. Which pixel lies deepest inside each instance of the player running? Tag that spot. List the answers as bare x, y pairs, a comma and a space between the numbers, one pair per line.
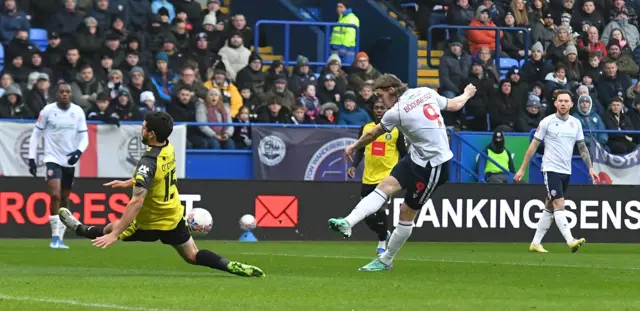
416, 113
64, 128
155, 212
560, 132
381, 156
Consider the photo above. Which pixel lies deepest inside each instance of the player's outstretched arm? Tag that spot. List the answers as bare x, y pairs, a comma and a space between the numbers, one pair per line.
455, 104
527, 158
130, 213
120, 183
586, 157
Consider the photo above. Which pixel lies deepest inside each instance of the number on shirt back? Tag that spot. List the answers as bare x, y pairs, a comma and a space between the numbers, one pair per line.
431, 113
169, 180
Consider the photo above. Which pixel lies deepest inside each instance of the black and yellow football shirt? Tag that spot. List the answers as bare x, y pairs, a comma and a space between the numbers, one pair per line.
381, 155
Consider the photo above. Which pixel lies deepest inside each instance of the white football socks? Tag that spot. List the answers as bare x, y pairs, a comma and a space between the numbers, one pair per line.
544, 223
61, 229
54, 221
367, 206
400, 235
563, 225
382, 244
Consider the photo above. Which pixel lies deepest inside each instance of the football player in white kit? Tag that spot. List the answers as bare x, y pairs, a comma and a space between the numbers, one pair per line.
559, 132
417, 114
64, 127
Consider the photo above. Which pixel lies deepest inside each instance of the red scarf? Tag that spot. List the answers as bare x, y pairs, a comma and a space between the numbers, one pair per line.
212, 116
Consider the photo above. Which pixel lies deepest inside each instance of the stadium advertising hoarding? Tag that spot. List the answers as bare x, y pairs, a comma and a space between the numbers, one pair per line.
299, 210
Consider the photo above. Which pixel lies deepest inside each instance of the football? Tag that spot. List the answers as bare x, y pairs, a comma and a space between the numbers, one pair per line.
247, 222
199, 221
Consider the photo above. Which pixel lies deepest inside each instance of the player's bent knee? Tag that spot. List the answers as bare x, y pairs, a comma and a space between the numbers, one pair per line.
407, 213
188, 251
389, 185
558, 204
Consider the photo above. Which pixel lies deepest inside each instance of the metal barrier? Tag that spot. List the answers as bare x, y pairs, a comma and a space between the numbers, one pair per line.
496, 29
287, 44
479, 176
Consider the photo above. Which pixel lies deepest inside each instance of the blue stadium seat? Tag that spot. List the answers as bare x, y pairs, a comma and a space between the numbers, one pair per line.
1, 54
634, 81
39, 37
507, 63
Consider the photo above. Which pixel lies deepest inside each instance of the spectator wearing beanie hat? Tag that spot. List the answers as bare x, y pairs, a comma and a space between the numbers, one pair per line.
334, 67
503, 110
343, 39
573, 67
363, 72
535, 68
253, 76
350, 113
162, 78
279, 90
234, 55
328, 114
156, 5
301, 75
624, 61
531, 116
148, 103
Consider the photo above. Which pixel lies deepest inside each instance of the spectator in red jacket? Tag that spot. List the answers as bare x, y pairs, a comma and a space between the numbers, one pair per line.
482, 38
592, 44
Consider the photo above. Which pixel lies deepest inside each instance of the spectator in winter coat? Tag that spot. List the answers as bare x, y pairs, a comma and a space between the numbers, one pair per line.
544, 32
139, 14
531, 116
613, 83
301, 75
634, 116
253, 76
89, 39
629, 30
276, 71
520, 14
103, 111
189, 78
513, 41
219, 19
535, 68
591, 44
66, 20
555, 51
214, 111
484, 57
250, 100
327, 92
460, 14
100, 12
138, 84
624, 62
201, 54
155, 35
519, 88
503, 111
299, 115
239, 24
475, 111
556, 80
334, 67
537, 12
12, 20
156, 5
148, 104
591, 121
616, 34
482, 38
619, 7
6, 80
183, 109
40, 95
234, 55
350, 113
124, 106
285, 97
588, 14
20, 45
12, 105
366, 99
309, 101
453, 70
615, 119
573, 67
54, 52
181, 33
362, 73
85, 88
242, 133
230, 96
17, 70
590, 91
273, 113
593, 67
328, 114
162, 78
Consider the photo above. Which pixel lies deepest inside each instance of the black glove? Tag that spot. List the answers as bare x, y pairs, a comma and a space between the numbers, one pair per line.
74, 157
33, 168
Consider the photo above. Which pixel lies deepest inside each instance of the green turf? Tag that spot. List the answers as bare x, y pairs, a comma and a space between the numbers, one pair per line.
319, 276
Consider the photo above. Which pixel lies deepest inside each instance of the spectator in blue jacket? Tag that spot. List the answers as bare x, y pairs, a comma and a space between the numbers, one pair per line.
163, 78
11, 21
350, 113
591, 121
158, 4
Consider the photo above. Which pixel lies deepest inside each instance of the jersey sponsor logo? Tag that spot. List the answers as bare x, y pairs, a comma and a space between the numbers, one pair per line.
22, 150
272, 150
378, 148
130, 151
327, 163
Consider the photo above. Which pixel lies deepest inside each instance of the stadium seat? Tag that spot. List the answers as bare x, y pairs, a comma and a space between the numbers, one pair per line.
39, 37
507, 63
634, 81
1, 54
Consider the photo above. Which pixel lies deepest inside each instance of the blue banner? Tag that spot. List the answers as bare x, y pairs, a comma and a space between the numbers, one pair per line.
302, 153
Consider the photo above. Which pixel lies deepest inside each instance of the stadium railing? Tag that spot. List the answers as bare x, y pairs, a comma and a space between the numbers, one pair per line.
584, 172
456, 141
322, 50
497, 31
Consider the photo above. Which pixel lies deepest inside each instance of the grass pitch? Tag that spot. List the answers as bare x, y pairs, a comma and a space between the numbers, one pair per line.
319, 276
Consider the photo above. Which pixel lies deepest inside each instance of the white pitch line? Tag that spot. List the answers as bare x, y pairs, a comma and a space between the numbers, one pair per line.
78, 303
427, 259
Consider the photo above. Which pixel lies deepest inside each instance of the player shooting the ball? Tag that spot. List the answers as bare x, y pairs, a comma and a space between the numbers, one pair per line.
155, 212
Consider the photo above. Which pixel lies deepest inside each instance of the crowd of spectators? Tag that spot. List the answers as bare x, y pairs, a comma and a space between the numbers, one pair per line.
125, 58
589, 47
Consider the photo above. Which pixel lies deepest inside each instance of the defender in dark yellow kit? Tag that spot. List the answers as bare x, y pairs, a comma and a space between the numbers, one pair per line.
155, 212
379, 159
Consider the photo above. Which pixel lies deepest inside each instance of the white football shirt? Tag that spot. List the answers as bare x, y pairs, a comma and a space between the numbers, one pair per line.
64, 131
417, 114
559, 137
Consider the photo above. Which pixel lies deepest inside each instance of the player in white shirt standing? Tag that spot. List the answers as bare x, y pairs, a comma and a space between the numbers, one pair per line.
64, 128
559, 132
417, 114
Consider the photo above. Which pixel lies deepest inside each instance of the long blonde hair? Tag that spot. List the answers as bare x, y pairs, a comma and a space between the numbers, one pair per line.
387, 81
521, 16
